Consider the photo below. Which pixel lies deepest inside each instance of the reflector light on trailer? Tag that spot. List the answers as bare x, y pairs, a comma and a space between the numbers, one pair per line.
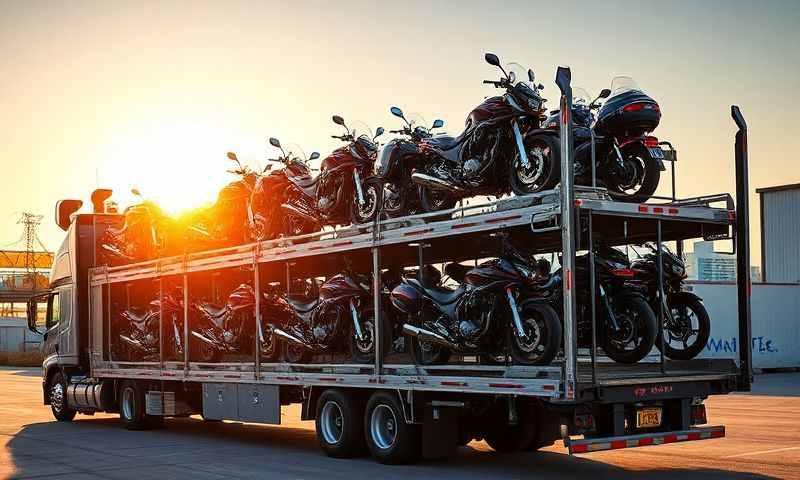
643, 208
506, 385
642, 440
503, 219
417, 232
464, 225
623, 272
448, 383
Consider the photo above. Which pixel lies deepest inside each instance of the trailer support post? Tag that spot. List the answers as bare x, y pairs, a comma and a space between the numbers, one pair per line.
593, 290
563, 79
185, 325
743, 252
377, 311
259, 336
661, 314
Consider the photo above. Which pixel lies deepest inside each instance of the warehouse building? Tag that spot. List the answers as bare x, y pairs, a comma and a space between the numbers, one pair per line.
780, 233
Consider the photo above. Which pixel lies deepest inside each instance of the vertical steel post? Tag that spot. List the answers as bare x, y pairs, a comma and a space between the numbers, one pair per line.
258, 329
185, 325
288, 278
377, 312
563, 79
661, 314
593, 290
160, 323
594, 159
743, 252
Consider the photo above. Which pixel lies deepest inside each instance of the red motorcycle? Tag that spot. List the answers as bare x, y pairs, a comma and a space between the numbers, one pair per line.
337, 196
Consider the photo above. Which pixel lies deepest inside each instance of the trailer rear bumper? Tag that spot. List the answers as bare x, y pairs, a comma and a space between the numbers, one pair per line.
589, 445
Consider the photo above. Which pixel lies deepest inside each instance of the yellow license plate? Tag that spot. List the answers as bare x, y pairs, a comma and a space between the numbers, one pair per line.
648, 417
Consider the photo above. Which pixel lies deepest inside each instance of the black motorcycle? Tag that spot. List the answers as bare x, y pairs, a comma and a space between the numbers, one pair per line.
230, 328
500, 308
338, 317
492, 155
626, 326
397, 159
687, 325
140, 329
628, 162
337, 196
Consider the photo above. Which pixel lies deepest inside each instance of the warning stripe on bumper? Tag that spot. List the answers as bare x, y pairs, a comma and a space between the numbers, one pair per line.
630, 441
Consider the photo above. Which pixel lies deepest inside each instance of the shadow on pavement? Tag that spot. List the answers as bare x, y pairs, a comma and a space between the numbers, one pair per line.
191, 448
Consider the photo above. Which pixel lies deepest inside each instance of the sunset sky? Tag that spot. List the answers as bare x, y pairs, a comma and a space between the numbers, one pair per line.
151, 94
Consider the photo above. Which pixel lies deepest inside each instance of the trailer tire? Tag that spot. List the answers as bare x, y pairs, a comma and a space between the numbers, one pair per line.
340, 432
132, 407
57, 390
505, 438
390, 439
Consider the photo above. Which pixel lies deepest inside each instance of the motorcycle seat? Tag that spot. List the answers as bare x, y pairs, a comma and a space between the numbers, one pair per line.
457, 271
446, 146
137, 316
212, 310
301, 303
441, 295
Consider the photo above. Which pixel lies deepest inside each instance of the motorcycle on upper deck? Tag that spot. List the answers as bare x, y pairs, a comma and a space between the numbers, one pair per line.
336, 196
628, 161
492, 155
397, 159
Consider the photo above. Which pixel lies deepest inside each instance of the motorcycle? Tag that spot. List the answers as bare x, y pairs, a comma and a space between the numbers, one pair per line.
500, 307
141, 328
229, 328
396, 161
628, 161
492, 156
337, 196
687, 325
340, 313
627, 326
271, 189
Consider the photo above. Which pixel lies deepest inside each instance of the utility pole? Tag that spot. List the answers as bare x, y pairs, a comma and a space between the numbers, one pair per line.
30, 223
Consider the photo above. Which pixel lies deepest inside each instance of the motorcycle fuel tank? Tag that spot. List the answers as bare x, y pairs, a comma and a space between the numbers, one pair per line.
493, 272
491, 107
340, 156
339, 286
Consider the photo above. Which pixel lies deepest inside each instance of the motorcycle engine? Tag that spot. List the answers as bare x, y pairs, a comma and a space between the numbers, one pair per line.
475, 316
326, 323
471, 167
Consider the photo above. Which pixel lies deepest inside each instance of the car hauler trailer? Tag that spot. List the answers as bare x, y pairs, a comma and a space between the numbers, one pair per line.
401, 408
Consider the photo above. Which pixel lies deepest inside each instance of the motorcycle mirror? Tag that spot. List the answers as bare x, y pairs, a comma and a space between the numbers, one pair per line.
492, 59
531, 76
604, 93
233, 156
378, 132
275, 142
438, 123
396, 112
136, 192
314, 156
338, 120
267, 168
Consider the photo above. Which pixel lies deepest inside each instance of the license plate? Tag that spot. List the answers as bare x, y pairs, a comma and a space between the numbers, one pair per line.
656, 152
648, 417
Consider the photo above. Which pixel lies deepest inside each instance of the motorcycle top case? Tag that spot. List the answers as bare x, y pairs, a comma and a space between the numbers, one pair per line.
406, 299
613, 117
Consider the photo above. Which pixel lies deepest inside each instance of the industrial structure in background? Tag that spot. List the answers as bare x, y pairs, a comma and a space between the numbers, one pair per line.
708, 265
780, 233
23, 273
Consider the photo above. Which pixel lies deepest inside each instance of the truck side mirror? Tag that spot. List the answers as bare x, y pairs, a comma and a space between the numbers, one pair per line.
64, 210
32, 311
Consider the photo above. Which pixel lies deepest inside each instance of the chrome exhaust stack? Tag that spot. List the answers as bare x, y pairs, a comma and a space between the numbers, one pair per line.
434, 183
428, 336
288, 336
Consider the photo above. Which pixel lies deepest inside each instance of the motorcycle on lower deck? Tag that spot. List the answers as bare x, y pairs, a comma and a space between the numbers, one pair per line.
337, 196
499, 309
140, 330
230, 328
628, 161
687, 326
626, 325
339, 317
492, 156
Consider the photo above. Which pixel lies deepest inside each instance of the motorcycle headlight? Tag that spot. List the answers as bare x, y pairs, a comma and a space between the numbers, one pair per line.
678, 269
534, 104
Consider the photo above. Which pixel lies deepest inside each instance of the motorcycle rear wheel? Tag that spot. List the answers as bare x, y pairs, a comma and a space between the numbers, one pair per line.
640, 179
544, 157
435, 200
426, 353
637, 324
292, 353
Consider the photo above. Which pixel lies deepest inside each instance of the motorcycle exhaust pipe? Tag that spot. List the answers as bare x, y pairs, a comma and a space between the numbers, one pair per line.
132, 342
434, 183
291, 209
291, 338
428, 336
204, 338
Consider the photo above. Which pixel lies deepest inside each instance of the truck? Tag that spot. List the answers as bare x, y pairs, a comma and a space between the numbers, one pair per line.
400, 409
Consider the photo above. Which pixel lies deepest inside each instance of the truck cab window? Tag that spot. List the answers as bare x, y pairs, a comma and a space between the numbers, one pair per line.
53, 310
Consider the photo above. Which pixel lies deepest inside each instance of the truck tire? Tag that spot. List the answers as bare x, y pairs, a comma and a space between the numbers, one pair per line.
340, 432
57, 390
390, 439
505, 438
132, 407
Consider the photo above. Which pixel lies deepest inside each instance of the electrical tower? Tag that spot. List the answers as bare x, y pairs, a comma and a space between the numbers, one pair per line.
30, 223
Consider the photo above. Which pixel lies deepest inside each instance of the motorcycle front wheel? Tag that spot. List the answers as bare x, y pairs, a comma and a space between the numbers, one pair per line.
366, 213
636, 180
637, 330
363, 350
686, 334
542, 335
544, 166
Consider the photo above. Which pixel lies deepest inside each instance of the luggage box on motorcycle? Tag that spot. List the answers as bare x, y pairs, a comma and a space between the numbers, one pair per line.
633, 112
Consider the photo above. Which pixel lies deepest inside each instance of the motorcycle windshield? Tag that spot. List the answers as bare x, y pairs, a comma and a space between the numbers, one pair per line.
580, 97
362, 136
620, 85
519, 74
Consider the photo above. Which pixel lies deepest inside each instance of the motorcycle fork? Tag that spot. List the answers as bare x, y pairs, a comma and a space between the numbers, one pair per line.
356, 322
612, 319
523, 156
359, 191
512, 303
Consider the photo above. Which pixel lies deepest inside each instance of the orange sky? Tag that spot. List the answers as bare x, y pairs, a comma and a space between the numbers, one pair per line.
152, 94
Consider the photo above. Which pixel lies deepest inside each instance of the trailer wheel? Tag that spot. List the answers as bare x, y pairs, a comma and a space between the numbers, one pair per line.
57, 389
389, 438
339, 430
132, 407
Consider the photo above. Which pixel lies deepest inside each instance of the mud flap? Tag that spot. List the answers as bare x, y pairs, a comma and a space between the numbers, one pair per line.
440, 430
